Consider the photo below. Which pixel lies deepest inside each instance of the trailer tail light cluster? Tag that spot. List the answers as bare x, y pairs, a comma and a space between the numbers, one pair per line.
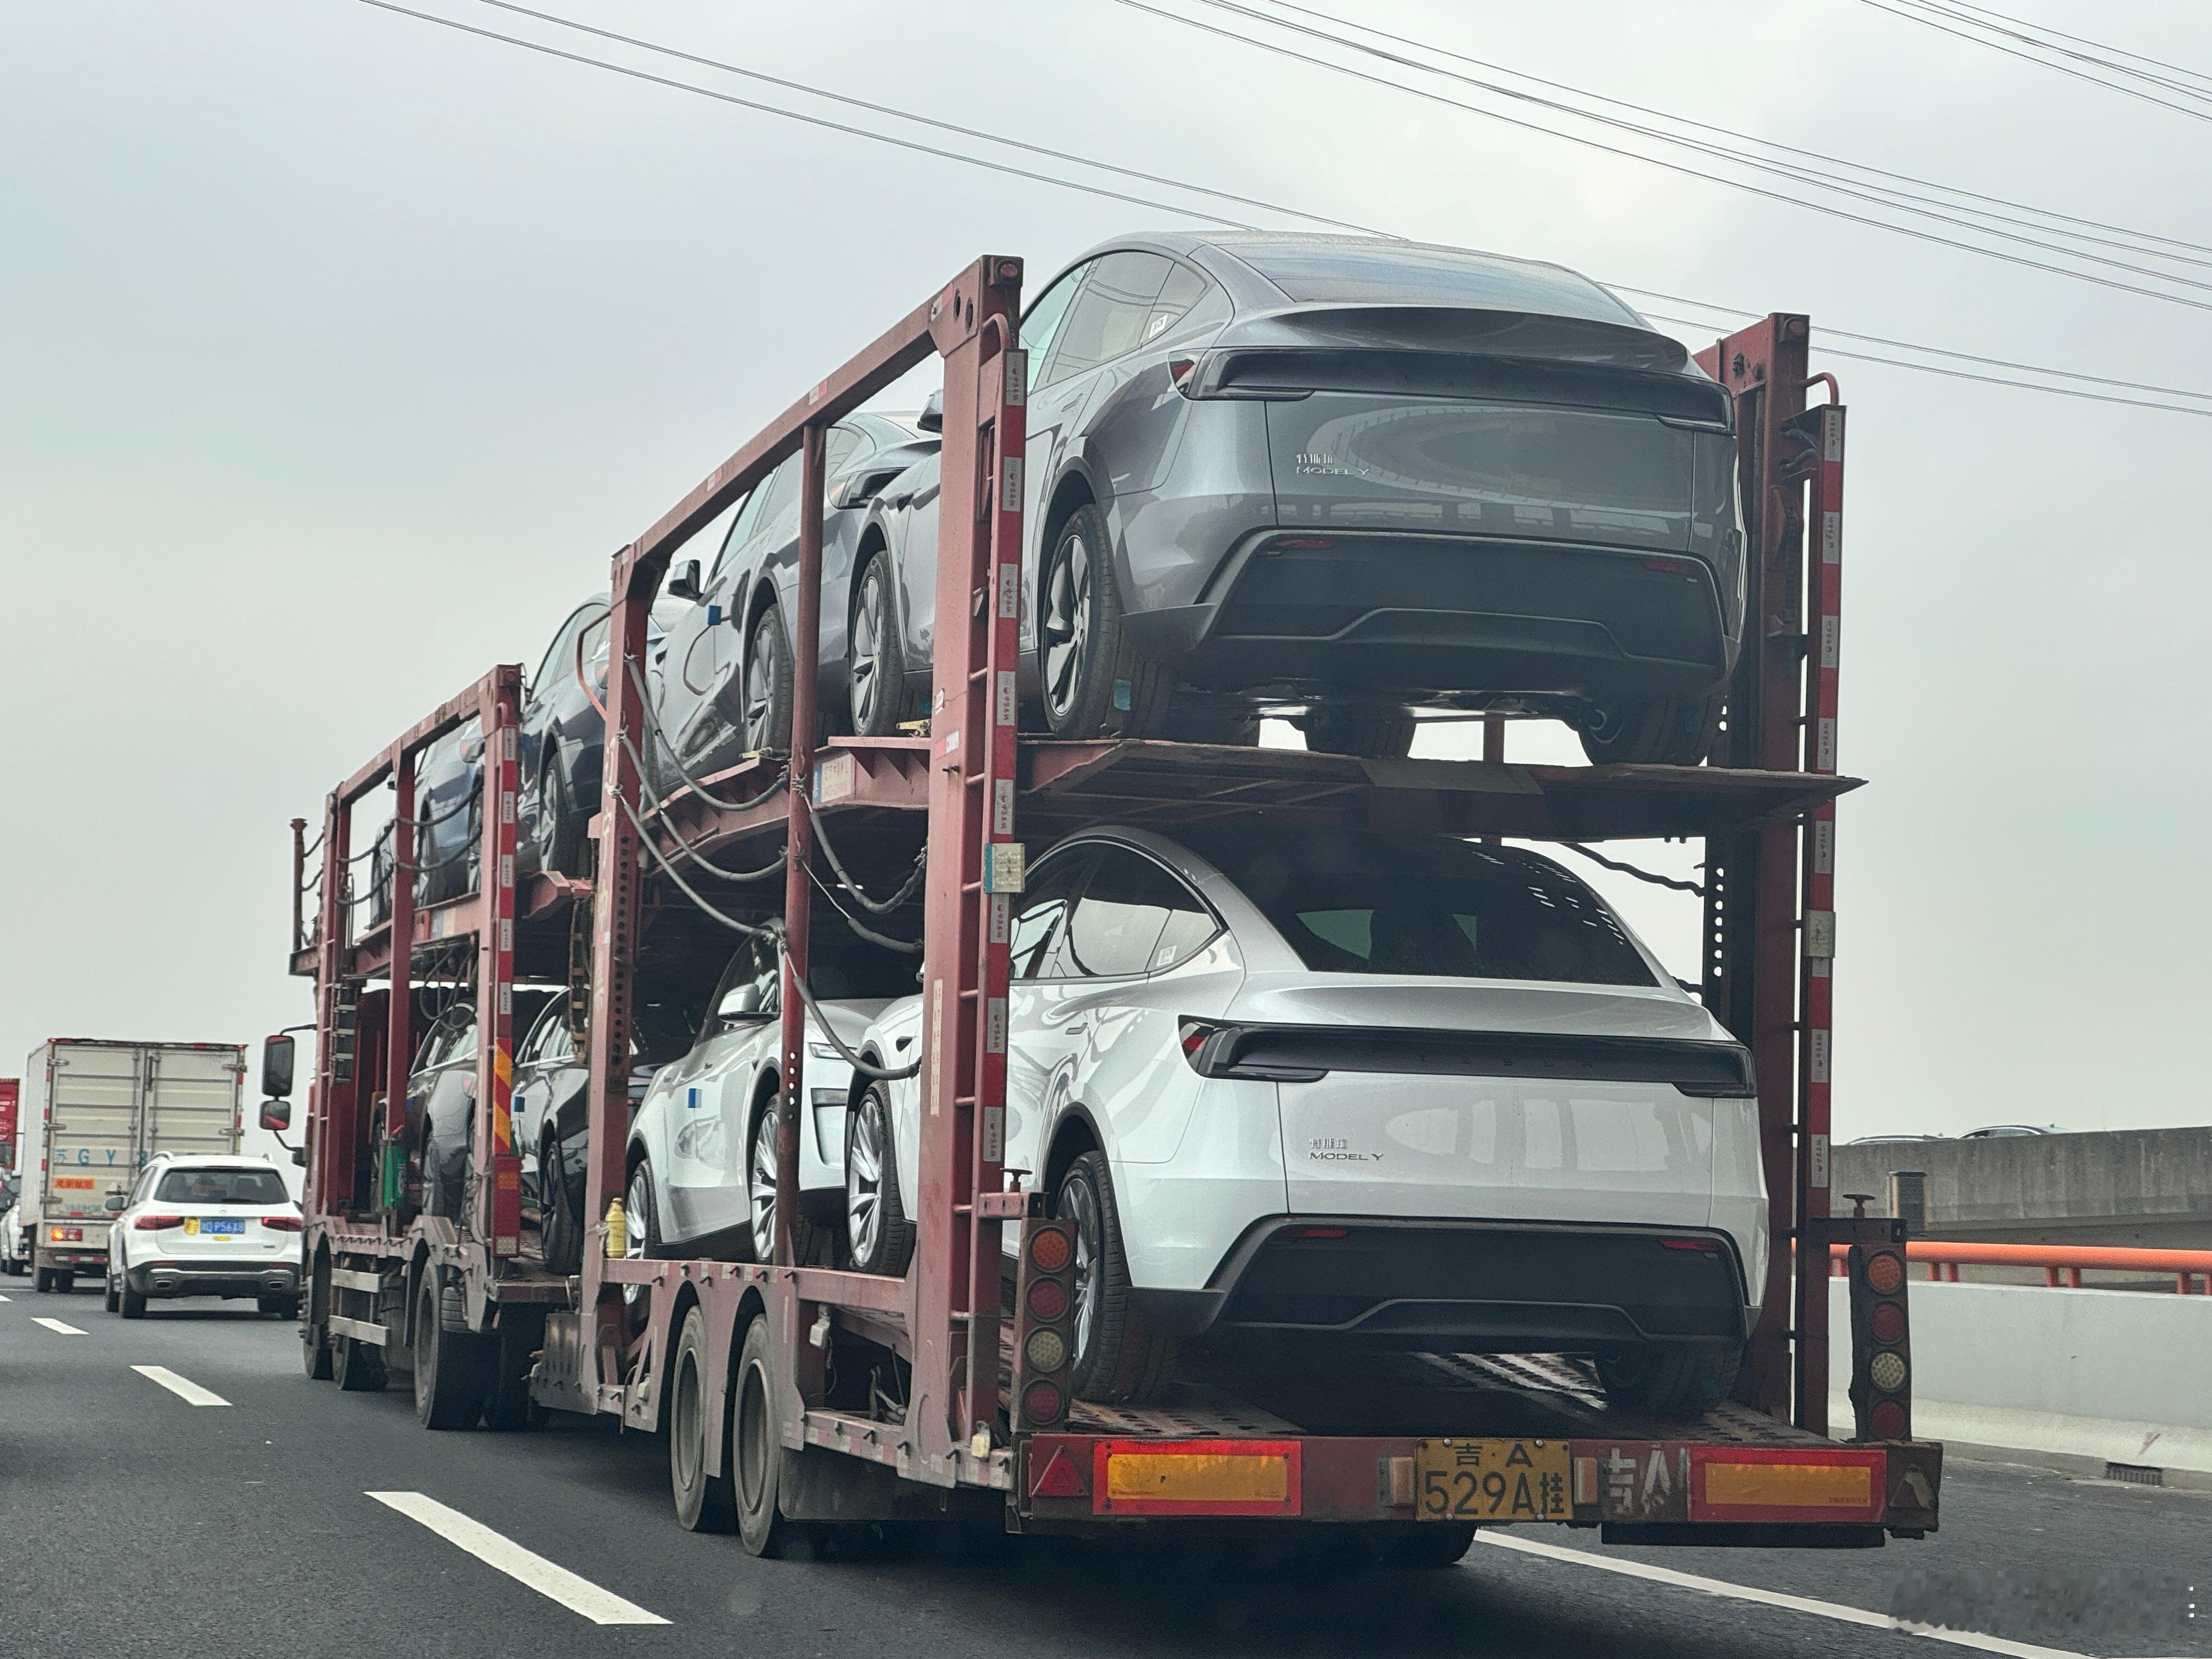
65, 1235
1044, 1323
1881, 1345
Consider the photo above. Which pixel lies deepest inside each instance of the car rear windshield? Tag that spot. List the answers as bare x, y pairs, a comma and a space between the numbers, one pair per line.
1364, 273
1351, 902
220, 1187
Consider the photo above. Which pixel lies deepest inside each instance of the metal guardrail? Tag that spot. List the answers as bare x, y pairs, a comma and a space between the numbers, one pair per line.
1944, 1260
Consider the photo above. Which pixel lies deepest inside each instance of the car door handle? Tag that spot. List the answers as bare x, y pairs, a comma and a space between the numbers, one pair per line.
1081, 1022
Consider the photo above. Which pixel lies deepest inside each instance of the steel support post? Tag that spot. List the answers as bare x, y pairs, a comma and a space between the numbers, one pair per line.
498, 1218
398, 1033
330, 1171
805, 644
1751, 927
1822, 429
973, 714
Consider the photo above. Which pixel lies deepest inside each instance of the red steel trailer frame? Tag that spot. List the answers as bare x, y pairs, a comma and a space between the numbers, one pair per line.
621, 1338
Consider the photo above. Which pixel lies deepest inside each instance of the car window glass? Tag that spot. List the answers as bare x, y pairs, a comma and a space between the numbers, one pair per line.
777, 492
561, 653
1364, 270
740, 529
1428, 905
1116, 930
1042, 326
1183, 289
751, 984
1108, 318
1043, 901
846, 443
221, 1187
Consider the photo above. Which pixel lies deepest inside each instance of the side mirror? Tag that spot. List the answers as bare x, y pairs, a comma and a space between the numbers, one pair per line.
684, 584
275, 1115
277, 1068
117, 1203
932, 412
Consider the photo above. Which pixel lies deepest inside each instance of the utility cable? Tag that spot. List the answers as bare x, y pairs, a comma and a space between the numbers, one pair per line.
1963, 14
660, 812
660, 738
2117, 52
1845, 214
1076, 185
2138, 236
1921, 18
1657, 880
866, 1068
873, 906
750, 930
904, 946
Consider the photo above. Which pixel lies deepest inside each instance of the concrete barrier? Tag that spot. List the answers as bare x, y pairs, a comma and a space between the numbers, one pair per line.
2082, 1378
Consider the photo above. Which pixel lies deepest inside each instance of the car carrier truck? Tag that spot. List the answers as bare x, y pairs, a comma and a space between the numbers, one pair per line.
792, 1394
94, 1111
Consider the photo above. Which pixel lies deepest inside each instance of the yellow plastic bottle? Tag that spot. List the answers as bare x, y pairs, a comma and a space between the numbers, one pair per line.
618, 1229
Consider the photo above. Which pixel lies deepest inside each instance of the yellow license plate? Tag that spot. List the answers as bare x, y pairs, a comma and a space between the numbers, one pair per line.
1492, 1481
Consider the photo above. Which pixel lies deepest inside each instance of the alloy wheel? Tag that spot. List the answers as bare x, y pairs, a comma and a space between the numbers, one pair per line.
763, 671
638, 1205
1081, 1206
764, 1185
864, 1182
1065, 628
866, 648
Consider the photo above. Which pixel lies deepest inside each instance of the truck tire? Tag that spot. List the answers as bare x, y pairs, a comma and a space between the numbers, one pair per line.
509, 1407
1679, 1384
358, 1366
1426, 1546
452, 1369
42, 1280
757, 1450
1120, 1358
315, 1353
698, 1462
130, 1303
286, 1308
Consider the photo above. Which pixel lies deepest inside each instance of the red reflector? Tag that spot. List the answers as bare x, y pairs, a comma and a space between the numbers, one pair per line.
1050, 1248
284, 1224
1885, 1271
1179, 369
1317, 1232
1060, 1478
1193, 1038
1048, 1300
1888, 1322
1888, 1421
1042, 1404
1305, 543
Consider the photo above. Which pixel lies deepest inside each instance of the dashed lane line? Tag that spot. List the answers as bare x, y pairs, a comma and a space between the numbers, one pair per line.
1836, 1610
183, 1387
60, 1327
525, 1566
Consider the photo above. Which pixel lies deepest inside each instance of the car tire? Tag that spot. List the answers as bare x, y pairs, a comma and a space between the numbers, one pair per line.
757, 1455
766, 690
357, 1367
1678, 1384
878, 1235
806, 1238
1661, 733
1094, 684
561, 1234
563, 845
1368, 732
698, 1459
130, 1303
114, 1296
1121, 1357
875, 656
453, 1369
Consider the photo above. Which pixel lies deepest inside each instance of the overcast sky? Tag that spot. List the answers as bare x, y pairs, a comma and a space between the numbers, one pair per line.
338, 351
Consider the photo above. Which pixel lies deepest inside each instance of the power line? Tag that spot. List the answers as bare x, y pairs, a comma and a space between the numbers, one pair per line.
1100, 190
1962, 13
2117, 52
2137, 237
1732, 157
1927, 21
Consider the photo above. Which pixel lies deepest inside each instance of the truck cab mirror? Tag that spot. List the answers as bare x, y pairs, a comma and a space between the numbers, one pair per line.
299, 1158
275, 1115
932, 418
683, 582
277, 1068
117, 1203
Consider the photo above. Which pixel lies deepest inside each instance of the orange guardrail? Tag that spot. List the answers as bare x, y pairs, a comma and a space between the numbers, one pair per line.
1944, 1260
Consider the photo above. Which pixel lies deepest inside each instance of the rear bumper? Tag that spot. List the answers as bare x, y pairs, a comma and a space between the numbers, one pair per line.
181, 1278
1415, 616
1467, 1287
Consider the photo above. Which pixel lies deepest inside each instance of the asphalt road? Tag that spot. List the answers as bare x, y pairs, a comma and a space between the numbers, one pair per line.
133, 1521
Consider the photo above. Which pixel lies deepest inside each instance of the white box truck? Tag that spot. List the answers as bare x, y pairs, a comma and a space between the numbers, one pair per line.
93, 1111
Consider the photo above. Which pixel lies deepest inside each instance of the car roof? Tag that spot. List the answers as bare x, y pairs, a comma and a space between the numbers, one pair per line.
1433, 272
211, 1160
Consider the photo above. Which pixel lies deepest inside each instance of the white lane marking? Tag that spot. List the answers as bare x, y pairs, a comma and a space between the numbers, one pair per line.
525, 1566
183, 1387
58, 1327
7, 1298
1964, 1638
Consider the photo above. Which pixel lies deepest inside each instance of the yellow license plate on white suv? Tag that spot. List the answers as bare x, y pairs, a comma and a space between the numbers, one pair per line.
1492, 1481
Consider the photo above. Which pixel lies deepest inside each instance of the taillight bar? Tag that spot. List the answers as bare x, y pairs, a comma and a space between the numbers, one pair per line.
284, 1224
155, 1223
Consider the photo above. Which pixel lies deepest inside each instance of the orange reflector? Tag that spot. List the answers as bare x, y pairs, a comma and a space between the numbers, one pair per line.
1197, 1476
1050, 1249
1731, 1483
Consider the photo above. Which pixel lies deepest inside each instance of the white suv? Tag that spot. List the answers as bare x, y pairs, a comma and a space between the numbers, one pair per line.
205, 1226
1323, 1089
